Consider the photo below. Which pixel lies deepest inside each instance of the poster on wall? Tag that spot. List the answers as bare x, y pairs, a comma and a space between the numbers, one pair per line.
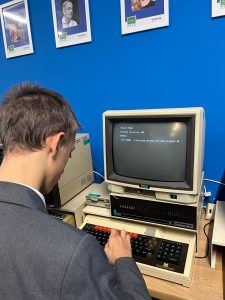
16, 28
218, 8
139, 15
71, 22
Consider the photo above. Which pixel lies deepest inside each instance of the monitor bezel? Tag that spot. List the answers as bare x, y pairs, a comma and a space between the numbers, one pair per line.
111, 176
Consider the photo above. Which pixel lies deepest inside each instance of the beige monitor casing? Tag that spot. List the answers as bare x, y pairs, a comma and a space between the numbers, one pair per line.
183, 195
78, 173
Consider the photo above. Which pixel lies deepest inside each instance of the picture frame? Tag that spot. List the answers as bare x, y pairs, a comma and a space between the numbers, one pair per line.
139, 15
16, 28
71, 20
218, 8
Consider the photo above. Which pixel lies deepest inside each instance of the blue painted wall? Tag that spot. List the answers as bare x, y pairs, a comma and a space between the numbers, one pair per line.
182, 65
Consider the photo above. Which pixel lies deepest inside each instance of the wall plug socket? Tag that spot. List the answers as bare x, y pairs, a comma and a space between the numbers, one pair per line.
210, 211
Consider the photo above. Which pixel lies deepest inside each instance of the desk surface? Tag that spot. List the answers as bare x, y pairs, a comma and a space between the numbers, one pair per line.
207, 283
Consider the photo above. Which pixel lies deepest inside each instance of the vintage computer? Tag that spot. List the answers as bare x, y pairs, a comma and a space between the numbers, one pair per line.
78, 174
157, 155
153, 163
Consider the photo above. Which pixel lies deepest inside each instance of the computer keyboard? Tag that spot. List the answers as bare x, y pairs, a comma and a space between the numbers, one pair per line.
148, 250
159, 251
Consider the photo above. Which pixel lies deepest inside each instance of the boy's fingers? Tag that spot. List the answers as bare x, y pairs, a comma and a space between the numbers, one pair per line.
123, 233
113, 232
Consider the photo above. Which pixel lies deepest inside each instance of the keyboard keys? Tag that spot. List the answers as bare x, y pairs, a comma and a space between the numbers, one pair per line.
146, 249
169, 251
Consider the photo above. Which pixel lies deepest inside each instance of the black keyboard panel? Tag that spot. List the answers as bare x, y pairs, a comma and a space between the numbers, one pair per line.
157, 252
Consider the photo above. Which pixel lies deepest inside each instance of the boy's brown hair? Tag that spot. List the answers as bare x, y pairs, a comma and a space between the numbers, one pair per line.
30, 113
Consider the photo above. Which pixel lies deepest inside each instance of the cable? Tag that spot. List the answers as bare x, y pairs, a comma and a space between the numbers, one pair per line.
205, 189
207, 245
99, 175
215, 181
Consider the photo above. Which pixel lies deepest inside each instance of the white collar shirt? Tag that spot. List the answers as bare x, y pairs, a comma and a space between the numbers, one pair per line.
36, 191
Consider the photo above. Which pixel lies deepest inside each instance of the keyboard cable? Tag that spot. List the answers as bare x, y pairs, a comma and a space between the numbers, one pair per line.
207, 245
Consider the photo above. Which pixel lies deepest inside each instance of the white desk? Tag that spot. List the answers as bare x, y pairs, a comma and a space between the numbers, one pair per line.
218, 237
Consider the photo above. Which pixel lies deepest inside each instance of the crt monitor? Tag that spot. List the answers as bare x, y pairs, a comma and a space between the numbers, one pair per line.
159, 150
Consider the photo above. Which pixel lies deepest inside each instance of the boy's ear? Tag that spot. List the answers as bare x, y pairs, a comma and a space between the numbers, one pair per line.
53, 142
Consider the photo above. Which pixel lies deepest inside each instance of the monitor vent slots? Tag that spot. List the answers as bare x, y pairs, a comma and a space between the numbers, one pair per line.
175, 215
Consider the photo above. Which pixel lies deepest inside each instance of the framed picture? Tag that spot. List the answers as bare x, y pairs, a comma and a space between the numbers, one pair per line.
218, 8
139, 15
16, 28
71, 22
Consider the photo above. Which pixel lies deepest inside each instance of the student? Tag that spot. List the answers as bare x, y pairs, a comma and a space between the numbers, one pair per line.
67, 13
41, 257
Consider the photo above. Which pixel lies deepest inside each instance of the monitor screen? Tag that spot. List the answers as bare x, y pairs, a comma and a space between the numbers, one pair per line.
150, 150
154, 149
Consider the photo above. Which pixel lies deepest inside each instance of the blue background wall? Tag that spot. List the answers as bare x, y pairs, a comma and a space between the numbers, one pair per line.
178, 66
